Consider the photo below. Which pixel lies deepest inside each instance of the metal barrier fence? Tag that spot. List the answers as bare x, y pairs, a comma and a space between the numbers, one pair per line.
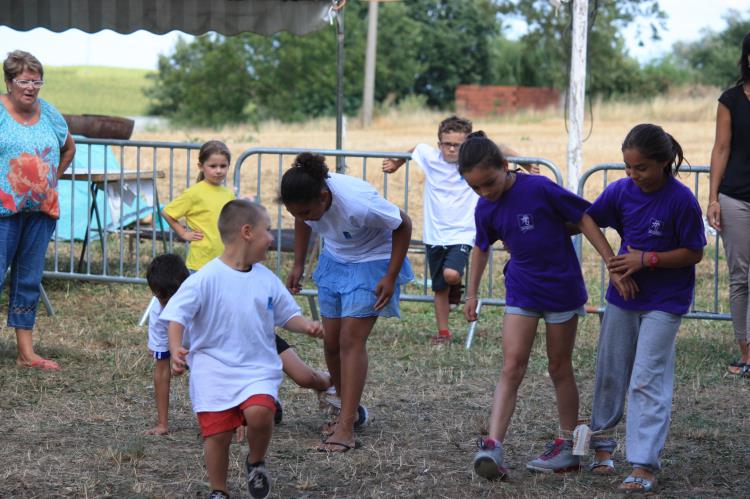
394, 190
110, 198
705, 299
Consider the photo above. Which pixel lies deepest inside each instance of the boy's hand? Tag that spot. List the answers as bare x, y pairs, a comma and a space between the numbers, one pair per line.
191, 235
293, 281
178, 361
390, 165
314, 329
470, 309
384, 292
533, 169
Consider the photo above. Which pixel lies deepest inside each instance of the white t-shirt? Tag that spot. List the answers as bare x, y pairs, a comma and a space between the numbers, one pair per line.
449, 202
232, 315
359, 224
158, 340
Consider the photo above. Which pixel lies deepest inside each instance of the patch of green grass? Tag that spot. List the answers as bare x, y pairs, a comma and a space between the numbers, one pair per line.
96, 90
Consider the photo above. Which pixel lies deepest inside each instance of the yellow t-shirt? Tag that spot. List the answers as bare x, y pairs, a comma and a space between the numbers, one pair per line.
200, 205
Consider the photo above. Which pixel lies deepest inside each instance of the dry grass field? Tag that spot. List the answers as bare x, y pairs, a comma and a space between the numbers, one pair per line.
80, 432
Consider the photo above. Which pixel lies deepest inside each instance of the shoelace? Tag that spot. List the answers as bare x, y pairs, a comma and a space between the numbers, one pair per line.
481, 445
257, 480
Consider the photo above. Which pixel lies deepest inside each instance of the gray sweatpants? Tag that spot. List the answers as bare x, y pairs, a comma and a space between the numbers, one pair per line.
735, 232
635, 357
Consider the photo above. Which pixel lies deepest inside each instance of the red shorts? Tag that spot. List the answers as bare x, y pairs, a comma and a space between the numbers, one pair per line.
212, 423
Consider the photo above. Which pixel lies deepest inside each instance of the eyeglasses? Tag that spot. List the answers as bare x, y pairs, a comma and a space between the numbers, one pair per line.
29, 83
450, 145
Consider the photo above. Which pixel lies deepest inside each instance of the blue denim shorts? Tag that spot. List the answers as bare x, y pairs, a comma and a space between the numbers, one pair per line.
549, 317
348, 289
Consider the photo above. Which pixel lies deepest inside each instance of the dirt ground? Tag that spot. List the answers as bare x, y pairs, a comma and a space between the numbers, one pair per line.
80, 432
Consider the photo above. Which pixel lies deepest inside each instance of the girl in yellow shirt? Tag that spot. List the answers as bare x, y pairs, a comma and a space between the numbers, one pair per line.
201, 204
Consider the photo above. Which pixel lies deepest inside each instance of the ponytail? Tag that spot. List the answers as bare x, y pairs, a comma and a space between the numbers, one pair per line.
305, 180
655, 144
479, 151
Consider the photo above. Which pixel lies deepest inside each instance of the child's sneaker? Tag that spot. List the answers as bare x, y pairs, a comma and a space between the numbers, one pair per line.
258, 481
488, 462
218, 494
557, 458
279, 415
331, 403
441, 339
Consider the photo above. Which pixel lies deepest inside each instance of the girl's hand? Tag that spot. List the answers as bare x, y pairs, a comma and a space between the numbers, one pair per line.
314, 329
177, 361
470, 309
627, 263
293, 280
625, 285
713, 214
191, 235
384, 291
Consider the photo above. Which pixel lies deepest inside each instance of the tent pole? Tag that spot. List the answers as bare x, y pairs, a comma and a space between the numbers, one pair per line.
340, 89
577, 91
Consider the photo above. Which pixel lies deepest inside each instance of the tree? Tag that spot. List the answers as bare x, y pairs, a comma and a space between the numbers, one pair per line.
714, 56
545, 48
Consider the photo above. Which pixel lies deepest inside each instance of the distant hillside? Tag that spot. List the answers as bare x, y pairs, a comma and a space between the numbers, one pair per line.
96, 90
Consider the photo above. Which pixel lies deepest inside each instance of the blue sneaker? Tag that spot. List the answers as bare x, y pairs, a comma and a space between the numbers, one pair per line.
558, 457
488, 461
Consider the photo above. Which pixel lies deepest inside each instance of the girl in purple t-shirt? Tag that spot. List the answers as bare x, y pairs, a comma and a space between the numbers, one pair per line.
660, 224
530, 214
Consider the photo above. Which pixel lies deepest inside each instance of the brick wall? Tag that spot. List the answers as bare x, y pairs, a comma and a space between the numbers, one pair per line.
484, 100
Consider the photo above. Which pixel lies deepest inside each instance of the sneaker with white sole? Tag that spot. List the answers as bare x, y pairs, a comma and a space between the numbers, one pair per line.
558, 457
488, 461
258, 481
218, 494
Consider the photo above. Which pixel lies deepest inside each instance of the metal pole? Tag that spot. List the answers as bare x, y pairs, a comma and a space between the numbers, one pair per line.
577, 91
340, 89
368, 94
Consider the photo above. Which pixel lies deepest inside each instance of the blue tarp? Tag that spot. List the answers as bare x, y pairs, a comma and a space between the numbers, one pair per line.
75, 197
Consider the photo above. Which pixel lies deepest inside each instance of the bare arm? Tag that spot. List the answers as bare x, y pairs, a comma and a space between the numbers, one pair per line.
67, 152
390, 165
176, 350
624, 284
635, 260
400, 245
719, 158
302, 325
302, 233
182, 232
479, 260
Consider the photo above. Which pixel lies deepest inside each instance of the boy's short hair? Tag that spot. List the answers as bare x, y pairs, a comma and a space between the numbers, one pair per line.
454, 124
235, 214
166, 274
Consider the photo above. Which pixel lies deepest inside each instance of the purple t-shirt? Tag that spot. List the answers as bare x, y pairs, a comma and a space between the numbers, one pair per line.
543, 272
664, 220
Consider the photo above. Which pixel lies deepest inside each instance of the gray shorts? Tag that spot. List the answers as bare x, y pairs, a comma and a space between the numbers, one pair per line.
549, 317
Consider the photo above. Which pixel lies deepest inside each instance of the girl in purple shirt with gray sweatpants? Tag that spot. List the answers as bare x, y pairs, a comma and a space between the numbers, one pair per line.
660, 224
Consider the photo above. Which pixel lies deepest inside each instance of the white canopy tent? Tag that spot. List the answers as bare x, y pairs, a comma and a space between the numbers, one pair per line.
195, 17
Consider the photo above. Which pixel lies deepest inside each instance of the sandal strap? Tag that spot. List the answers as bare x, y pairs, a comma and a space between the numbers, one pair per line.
609, 463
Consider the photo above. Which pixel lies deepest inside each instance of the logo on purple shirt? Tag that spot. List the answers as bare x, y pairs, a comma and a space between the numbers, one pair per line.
525, 222
655, 227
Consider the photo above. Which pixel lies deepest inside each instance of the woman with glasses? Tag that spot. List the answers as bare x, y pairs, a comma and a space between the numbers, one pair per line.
35, 149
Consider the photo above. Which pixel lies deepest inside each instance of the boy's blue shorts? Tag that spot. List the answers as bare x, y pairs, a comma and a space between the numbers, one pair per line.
348, 289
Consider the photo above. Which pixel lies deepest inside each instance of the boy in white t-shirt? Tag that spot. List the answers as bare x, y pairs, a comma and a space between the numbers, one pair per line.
448, 218
232, 305
165, 275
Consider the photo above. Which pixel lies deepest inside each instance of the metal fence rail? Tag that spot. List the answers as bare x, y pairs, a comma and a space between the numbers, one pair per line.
705, 300
140, 176
270, 163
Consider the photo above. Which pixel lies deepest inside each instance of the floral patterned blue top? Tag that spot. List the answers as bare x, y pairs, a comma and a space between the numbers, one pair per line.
29, 158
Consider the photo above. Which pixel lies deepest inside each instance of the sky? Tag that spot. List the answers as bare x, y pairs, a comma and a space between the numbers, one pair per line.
141, 49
